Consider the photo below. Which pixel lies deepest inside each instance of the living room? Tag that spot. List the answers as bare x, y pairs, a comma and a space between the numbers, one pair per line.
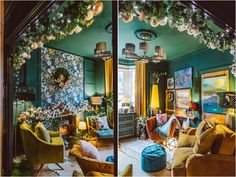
117, 88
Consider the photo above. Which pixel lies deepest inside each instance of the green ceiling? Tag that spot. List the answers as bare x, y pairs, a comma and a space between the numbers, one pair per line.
175, 43
84, 43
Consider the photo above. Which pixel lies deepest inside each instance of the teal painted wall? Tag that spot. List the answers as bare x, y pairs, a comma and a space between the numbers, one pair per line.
207, 60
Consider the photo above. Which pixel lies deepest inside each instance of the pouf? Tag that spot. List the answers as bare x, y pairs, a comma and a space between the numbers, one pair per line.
153, 158
110, 159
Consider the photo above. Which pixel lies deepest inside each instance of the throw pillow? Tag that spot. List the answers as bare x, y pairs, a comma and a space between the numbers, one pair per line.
186, 140
102, 123
224, 143
85, 149
42, 132
161, 119
204, 141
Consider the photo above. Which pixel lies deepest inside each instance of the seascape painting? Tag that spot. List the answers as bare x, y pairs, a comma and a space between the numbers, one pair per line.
183, 78
210, 99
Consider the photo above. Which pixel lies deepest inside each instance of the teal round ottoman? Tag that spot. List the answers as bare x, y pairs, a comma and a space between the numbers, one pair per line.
153, 158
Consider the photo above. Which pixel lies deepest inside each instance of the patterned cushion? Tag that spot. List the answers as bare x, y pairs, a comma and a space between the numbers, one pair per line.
85, 149
161, 119
102, 123
42, 132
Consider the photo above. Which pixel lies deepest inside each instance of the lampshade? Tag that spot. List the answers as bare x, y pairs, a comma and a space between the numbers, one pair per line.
193, 106
226, 99
155, 96
101, 46
96, 100
130, 47
160, 52
82, 126
143, 46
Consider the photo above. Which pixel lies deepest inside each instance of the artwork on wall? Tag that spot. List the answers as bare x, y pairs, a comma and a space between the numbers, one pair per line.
61, 78
170, 100
182, 98
170, 83
184, 78
213, 83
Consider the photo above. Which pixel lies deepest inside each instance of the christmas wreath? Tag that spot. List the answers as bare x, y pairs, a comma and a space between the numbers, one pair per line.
61, 78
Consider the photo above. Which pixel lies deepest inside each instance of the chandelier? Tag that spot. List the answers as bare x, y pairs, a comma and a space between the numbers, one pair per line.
144, 35
100, 51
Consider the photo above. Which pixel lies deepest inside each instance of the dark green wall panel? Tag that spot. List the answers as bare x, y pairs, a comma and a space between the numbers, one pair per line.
207, 60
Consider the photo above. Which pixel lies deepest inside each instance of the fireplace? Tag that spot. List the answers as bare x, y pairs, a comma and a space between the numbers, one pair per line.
67, 125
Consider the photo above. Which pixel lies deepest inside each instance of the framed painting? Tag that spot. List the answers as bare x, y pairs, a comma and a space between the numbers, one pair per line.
182, 98
170, 83
170, 100
184, 78
211, 85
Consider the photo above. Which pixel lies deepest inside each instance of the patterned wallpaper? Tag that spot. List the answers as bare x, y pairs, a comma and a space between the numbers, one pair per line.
73, 94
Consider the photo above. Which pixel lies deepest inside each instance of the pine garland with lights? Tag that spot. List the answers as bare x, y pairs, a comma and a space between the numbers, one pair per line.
75, 16
180, 16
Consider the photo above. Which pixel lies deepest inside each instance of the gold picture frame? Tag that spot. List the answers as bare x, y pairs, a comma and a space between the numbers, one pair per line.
170, 100
182, 98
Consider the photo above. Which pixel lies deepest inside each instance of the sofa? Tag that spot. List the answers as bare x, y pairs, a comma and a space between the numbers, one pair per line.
205, 153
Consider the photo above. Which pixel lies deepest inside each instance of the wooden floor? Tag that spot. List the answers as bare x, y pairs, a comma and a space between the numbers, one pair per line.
130, 153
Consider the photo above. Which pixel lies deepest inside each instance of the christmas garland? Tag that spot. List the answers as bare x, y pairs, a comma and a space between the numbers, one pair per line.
61, 78
72, 19
178, 15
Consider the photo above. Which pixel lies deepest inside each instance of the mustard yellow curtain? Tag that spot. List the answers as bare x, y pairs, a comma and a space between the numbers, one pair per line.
108, 77
140, 88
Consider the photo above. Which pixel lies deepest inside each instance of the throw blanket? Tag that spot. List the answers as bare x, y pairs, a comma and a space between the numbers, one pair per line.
164, 130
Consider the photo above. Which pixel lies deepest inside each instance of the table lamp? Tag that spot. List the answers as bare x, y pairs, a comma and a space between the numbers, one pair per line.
96, 100
82, 127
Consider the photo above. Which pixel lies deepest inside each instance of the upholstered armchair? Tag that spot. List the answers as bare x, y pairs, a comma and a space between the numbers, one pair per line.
151, 125
106, 134
94, 167
41, 152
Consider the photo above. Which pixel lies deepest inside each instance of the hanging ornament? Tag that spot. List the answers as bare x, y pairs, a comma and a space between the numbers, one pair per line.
40, 44
89, 15
28, 57
97, 8
24, 55
190, 31
233, 51
154, 22
163, 21
127, 17
34, 45
182, 27
50, 37
211, 45
141, 16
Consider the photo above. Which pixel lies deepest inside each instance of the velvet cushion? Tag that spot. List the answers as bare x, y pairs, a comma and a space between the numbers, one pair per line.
42, 132
102, 123
186, 140
85, 149
128, 171
180, 156
161, 119
204, 141
224, 143
105, 133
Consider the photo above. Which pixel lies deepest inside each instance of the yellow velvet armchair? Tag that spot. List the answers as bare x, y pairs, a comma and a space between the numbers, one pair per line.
41, 152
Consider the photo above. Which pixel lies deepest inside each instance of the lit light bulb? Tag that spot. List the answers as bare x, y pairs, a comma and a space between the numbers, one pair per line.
163, 21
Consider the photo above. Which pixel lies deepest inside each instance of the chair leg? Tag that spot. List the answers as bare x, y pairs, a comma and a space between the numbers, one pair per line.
59, 166
40, 168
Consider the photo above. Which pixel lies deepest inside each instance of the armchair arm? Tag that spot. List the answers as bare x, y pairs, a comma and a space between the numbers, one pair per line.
54, 133
88, 164
192, 131
210, 165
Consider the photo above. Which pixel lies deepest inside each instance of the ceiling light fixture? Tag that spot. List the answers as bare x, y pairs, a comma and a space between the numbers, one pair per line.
144, 35
100, 51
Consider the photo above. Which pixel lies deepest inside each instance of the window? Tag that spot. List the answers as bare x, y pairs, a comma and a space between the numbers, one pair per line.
126, 86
